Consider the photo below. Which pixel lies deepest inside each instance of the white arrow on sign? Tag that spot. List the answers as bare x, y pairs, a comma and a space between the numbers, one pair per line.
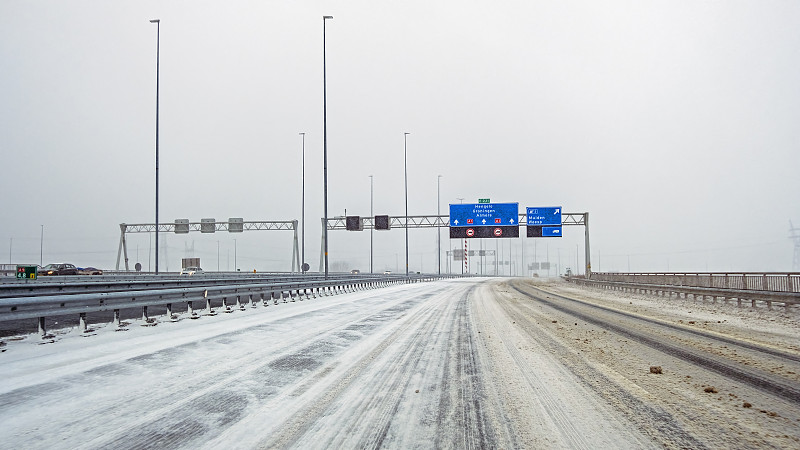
556, 211
455, 222
511, 221
556, 231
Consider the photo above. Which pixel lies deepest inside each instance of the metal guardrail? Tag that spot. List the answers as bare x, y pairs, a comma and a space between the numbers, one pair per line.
760, 281
49, 305
753, 296
68, 285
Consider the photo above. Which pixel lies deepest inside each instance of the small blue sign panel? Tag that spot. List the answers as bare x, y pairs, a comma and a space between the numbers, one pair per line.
548, 215
484, 215
551, 231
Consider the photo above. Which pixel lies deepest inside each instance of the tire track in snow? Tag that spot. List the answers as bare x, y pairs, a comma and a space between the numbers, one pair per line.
206, 401
471, 429
366, 423
753, 377
650, 419
552, 405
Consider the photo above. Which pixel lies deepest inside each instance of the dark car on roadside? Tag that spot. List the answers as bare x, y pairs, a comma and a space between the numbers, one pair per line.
89, 271
59, 269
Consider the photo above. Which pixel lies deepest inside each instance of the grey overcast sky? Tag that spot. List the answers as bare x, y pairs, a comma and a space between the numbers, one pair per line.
673, 123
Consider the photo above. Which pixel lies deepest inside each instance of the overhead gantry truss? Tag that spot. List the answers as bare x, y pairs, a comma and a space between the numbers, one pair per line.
443, 221
206, 228
438, 221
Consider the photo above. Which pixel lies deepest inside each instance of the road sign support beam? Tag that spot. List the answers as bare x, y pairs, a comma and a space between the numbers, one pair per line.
125, 228
439, 221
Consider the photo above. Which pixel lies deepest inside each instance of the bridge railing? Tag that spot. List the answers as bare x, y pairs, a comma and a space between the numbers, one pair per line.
756, 281
767, 288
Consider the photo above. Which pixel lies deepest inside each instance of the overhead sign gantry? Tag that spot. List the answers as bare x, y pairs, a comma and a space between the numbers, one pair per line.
184, 226
545, 220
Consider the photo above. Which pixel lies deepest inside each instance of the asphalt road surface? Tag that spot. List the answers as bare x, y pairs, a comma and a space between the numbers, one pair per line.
478, 363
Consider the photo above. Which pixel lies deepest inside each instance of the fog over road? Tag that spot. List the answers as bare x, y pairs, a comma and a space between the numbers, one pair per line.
472, 363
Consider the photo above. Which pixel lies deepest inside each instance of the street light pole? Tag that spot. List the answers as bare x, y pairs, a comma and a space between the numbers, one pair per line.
325, 143
234, 255
373, 222
41, 248
303, 211
158, 67
405, 169
438, 229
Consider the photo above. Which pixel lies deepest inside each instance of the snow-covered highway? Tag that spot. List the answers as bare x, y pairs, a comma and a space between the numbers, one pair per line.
469, 363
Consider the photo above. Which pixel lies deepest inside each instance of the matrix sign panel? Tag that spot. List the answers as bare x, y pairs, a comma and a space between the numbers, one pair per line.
548, 215
27, 272
382, 222
540, 231
484, 232
484, 215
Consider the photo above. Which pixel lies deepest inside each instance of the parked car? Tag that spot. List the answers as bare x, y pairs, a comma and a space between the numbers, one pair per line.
189, 271
59, 269
89, 271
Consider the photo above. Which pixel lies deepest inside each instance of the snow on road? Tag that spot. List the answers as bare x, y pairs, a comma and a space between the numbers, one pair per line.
421, 365
472, 363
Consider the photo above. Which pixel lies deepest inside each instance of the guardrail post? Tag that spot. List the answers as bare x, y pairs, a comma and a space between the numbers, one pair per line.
209, 310
82, 322
239, 303
116, 318
225, 306
144, 313
190, 310
169, 311
42, 329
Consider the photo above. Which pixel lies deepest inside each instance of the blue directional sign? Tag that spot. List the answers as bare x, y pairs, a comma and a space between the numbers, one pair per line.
551, 231
484, 214
542, 231
549, 215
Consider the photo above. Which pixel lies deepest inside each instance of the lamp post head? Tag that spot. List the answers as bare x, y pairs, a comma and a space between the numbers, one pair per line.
155, 21
324, 18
